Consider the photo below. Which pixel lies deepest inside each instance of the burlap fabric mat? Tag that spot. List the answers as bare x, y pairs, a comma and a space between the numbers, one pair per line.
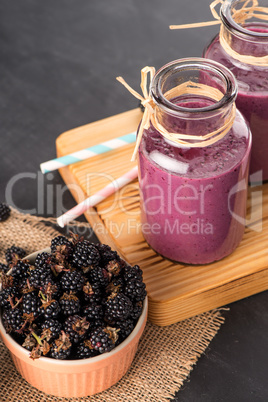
165, 356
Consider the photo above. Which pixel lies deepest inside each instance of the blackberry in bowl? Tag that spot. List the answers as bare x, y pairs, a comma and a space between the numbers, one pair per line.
68, 322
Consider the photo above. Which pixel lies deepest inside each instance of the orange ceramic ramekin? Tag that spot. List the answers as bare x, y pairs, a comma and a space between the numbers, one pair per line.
76, 378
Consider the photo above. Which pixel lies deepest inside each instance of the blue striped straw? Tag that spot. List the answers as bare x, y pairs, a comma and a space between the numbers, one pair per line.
86, 153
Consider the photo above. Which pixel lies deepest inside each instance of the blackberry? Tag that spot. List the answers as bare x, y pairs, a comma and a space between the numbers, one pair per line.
107, 254
93, 311
118, 282
26, 287
4, 212
90, 294
50, 309
97, 324
116, 285
30, 305
85, 350
59, 241
41, 273
85, 255
4, 297
117, 307
72, 281
3, 268
14, 251
62, 347
76, 327
62, 252
99, 277
13, 320
70, 304
8, 295
20, 270
132, 273
51, 329
135, 290
39, 278
43, 264
136, 311
43, 261
125, 328
103, 339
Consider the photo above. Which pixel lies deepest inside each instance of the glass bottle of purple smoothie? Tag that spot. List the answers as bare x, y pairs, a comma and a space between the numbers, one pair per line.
193, 197
242, 46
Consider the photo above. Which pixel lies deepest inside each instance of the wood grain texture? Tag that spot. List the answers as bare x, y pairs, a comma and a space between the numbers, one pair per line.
175, 291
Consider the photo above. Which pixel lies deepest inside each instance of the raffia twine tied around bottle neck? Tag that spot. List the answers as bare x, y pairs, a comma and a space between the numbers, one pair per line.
150, 118
250, 9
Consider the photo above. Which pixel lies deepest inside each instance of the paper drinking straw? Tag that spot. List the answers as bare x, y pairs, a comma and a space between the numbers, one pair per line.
94, 199
86, 153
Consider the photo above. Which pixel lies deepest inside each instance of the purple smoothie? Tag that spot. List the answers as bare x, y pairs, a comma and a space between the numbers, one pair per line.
252, 99
191, 208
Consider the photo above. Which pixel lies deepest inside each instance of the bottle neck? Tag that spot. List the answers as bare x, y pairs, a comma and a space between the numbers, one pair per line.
242, 31
197, 122
195, 98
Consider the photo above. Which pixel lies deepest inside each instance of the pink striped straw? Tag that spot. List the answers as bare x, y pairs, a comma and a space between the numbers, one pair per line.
94, 199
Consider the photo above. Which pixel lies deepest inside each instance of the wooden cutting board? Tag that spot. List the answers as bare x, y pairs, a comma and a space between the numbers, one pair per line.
175, 291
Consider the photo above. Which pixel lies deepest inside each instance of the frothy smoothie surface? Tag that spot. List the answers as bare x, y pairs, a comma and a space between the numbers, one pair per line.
195, 162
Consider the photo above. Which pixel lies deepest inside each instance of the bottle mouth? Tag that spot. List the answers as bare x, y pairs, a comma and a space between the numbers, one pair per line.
253, 29
212, 76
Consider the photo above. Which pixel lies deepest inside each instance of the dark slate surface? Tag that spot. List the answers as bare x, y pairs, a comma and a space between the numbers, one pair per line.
58, 63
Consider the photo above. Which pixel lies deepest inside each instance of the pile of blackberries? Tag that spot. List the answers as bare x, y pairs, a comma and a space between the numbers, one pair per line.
77, 301
4, 212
